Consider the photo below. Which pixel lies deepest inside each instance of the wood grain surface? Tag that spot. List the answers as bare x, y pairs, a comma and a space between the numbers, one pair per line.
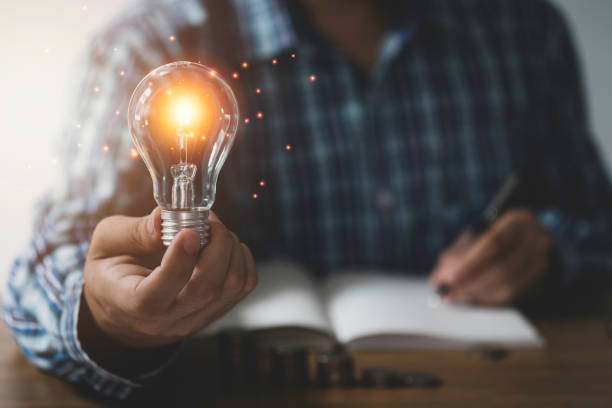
574, 370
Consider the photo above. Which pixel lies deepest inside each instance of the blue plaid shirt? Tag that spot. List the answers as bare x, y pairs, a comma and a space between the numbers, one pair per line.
378, 170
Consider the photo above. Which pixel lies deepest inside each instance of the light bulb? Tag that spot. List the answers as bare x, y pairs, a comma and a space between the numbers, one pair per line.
183, 119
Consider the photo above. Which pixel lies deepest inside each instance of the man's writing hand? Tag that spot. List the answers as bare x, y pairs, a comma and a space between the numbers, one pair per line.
499, 265
141, 297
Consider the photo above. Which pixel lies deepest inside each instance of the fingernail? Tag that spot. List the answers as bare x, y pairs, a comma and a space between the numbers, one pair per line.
191, 244
443, 289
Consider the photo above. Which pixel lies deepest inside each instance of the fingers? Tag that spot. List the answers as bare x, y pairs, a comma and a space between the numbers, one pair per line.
454, 268
456, 250
500, 283
252, 278
161, 287
500, 265
121, 235
198, 318
221, 264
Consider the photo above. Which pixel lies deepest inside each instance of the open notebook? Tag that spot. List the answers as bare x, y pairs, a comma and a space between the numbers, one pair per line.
366, 310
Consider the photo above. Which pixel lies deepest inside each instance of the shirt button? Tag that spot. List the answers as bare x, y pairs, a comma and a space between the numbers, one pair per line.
384, 199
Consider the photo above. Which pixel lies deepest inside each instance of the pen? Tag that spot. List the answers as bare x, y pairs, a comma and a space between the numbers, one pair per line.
492, 211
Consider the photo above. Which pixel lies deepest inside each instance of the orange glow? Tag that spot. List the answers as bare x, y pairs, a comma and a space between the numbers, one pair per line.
133, 153
274, 61
258, 91
188, 110
171, 38
105, 148
247, 120
293, 56
235, 75
245, 64
122, 73
262, 183
255, 196
312, 78
259, 115
288, 147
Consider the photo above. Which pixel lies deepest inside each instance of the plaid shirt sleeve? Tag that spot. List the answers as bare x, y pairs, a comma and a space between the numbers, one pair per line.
41, 299
571, 169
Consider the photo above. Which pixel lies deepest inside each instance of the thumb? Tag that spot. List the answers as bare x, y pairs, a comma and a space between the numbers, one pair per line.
121, 235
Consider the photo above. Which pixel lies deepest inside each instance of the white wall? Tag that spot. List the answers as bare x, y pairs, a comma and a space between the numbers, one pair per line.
40, 41
591, 21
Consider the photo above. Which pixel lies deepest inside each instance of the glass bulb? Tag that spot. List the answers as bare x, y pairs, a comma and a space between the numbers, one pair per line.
183, 119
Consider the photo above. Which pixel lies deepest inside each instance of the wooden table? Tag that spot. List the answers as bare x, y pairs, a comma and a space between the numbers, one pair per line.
575, 370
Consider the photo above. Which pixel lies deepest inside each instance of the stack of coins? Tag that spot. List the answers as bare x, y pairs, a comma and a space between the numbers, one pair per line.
382, 377
490, 353
291, 367
335, 368
236, 356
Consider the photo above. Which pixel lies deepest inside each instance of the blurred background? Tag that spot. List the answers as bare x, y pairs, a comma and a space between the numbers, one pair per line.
42, 41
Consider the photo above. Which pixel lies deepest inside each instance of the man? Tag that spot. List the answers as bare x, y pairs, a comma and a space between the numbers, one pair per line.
385, 127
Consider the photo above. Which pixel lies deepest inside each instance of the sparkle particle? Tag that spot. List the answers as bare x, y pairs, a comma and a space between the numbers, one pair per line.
235, 75
96, 89
259, 115
262, 183
105, 148
255, 196
133, 153
171, 38
288, 147
245, 65
274, 61
312, 78
121, 73
117, 112
247, 120
257, 91
292, 56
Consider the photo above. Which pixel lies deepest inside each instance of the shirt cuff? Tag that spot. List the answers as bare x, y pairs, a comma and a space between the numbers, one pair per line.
87, 370
567, 257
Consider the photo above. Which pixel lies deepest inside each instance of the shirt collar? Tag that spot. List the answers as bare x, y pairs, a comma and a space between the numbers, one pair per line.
265, 26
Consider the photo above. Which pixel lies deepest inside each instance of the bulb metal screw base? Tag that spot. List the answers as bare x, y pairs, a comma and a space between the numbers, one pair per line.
174, 221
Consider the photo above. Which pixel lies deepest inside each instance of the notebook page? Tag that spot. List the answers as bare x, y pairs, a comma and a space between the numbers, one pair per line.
284, 296
361, 305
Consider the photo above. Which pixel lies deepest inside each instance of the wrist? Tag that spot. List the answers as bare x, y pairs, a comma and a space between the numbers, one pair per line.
110, 351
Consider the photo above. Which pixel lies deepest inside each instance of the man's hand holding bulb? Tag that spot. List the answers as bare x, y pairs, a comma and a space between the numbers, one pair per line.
136, 297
